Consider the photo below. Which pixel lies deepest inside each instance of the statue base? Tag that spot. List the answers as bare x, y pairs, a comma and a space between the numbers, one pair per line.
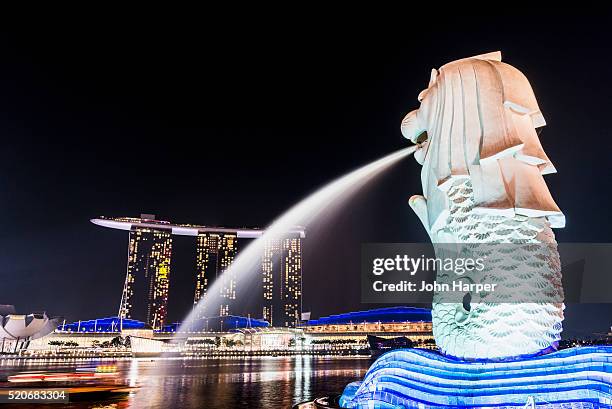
414, 378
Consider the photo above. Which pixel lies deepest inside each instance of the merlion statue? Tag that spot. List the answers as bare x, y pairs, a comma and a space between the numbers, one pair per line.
483, 188
482, 179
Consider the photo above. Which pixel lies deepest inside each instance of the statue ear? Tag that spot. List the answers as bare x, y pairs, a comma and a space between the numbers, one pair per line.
495, 56
432, 77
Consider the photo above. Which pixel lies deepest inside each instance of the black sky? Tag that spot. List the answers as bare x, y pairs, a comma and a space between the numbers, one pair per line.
230, 125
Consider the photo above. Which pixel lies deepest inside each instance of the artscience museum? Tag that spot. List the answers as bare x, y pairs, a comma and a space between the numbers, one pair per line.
17, 330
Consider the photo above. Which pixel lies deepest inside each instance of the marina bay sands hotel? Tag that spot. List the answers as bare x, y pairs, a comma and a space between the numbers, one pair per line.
145, 292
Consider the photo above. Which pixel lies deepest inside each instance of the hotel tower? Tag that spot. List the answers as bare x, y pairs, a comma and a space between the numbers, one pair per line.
214, 254
148, 272
282, 281
145, 292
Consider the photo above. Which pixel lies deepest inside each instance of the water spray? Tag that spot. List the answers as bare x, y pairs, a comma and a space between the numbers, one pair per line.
312, 210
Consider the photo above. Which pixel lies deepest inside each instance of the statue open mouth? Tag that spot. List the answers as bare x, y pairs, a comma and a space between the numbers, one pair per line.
416, 134
421, 150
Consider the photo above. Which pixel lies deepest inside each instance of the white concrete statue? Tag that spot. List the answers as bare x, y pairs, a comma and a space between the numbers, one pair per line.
482, 183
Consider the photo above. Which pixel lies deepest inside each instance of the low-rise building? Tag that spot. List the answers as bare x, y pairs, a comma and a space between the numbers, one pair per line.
335, 334
351, 330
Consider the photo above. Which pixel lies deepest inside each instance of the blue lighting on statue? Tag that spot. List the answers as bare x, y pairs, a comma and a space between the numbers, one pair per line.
413, 378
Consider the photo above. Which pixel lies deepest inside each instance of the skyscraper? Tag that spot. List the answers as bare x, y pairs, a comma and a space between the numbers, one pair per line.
282, 281
148, 273
214, 254
145, 292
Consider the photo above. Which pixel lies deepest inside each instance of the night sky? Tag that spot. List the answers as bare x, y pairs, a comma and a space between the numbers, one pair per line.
230, 125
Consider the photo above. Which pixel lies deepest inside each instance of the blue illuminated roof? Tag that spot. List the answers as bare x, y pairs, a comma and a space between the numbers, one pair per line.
391, 314
109, 324
225, 323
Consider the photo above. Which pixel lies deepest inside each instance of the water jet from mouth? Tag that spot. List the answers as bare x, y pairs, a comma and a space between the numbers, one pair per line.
308, 213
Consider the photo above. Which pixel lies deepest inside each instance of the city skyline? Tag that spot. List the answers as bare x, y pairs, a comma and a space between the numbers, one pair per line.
237, 133
145, 292
324, 212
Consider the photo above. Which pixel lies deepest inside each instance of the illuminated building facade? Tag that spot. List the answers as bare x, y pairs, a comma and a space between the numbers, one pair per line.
373, 331
148, 273
145, 293
413, 323
282, 281
214, 254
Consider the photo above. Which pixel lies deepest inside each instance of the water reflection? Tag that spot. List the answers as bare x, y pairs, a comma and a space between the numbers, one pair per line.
215, 383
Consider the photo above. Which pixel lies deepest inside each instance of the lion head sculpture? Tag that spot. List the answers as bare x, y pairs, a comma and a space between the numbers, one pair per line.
478, 119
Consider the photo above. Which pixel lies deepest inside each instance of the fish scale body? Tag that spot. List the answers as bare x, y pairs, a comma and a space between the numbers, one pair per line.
522, 258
